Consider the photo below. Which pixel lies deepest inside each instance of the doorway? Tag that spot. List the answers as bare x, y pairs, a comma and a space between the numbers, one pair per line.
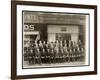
63, 36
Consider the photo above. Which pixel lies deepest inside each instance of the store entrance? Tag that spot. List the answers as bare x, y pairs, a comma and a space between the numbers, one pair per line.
63, 36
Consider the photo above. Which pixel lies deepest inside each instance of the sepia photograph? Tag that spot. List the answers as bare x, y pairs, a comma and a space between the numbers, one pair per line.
54, 39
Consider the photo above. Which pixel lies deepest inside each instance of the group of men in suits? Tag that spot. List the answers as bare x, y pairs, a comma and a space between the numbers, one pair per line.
44, 52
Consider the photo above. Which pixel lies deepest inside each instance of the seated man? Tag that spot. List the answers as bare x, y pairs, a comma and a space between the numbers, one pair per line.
74, 54
52, 55
56, 54
65, 53
37, 55
43, 56
82, 54
48, 56
78, 54
70, 55
61, 53
30, 55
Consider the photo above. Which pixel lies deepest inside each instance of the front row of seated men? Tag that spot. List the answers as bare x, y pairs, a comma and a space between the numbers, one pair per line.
54, 52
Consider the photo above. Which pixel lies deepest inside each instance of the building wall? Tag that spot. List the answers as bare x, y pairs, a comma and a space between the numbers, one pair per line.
53, 18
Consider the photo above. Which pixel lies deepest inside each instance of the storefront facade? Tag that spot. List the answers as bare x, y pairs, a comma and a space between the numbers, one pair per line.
53, 26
